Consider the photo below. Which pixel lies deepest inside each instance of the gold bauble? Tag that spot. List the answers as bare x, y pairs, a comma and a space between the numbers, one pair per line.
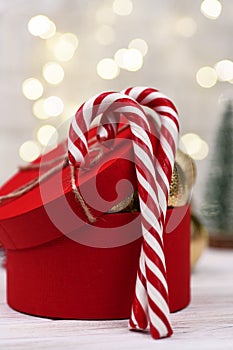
179, 193
183, 178
188, 166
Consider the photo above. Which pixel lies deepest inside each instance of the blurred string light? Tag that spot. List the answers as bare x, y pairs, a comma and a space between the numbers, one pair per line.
194, 145
29, 151
41, 26
63, 51
105, 35
32, 88
53, 73
211, 8
129, 59
107, 69
186, 27
51, 42
53, 106
122, 7
133, 60
66, 46
206, 77
140, 45
70, 38
224, 70
38, 109
50, 32
47, 135
119, 57
63, 46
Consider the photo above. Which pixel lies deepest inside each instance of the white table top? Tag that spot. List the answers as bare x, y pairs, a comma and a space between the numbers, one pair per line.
206, 324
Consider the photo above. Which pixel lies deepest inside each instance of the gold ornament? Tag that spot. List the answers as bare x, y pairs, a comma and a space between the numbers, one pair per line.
188, 166
179, 193
183, 178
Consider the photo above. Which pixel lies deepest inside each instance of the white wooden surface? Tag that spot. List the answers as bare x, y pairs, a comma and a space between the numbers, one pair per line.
206, 324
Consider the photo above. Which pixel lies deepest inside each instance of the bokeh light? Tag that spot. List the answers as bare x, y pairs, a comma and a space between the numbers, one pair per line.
224, 70
52, 42
50, 32
194, 145
29, 151
107, 69
211, 8
122, 7
129, 59
63, 46
47, 135
63, 51
206, 77
70, 38
190, 143
53, 106
39, 25
32, 88
140, 45
119, 57
105, 35
202, 152
38, 109
53, 73
186, 27
133, 60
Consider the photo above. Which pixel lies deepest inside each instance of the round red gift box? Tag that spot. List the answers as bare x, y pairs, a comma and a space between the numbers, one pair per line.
55, 275
65, 279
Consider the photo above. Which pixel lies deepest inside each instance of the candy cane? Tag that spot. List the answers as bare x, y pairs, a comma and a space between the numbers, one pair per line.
169, 132
151, 294
164, 160
100, 104
107, 129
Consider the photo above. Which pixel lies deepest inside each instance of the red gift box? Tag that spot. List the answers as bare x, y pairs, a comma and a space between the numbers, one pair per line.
61, 266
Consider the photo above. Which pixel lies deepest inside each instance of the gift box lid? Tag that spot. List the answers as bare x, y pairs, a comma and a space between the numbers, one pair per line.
49, 200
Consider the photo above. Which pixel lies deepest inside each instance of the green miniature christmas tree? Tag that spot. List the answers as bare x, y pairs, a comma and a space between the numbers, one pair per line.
218, 201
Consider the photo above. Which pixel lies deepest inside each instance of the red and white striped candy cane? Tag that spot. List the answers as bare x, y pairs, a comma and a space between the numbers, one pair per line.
169, 133
164, 161
109, 103
107, 129
151, 294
